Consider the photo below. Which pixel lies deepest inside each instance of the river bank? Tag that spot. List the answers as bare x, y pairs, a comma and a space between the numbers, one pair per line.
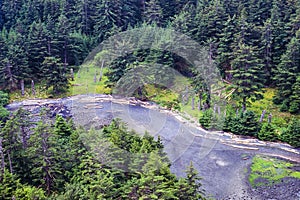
222, 159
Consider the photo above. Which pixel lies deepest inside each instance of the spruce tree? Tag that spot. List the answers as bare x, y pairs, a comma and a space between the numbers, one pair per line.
291, 134
45, 168
37, 47
247, 79
190, 187
106, 19
225, 48
153, 13
55, 75
288, 71
295, 97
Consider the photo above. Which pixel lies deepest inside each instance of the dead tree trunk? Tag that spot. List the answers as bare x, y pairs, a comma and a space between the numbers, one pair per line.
32, 88
10, 163
95, 78
262, 116
193, 103
24, 137
72, 74
215, 109
200, 101
270, 118
101, 70
244, 104
2, 160
22, 88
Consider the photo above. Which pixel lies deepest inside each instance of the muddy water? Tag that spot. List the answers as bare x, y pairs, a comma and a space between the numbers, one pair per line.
221, 159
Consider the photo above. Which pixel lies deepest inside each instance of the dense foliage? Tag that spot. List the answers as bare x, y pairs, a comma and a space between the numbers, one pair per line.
54, 160
247, 124
253, 43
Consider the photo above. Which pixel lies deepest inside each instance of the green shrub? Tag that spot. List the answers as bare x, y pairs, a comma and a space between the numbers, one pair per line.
284, 106
244, 124
211, 121
29, 192
294, 107
4, 113
249, 124
4, 99
205, 119
231, 121
291, 135
276, 100
268, 133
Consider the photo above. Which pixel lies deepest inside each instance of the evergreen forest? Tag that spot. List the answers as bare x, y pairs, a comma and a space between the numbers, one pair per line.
254, 44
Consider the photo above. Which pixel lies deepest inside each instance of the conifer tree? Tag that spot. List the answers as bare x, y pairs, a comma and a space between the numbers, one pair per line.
224, 52
190, 187
153, 13
37, 47
55, 75
106, 19
247, 78
288, 71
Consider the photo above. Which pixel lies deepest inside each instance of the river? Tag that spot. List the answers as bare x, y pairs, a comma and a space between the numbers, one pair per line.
222, 159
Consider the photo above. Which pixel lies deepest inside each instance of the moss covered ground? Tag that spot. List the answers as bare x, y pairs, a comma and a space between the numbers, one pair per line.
268, 171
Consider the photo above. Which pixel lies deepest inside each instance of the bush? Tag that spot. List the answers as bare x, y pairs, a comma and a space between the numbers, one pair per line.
4, 113
294, 107
277, 100
284, 106
249, 124
244, 124
4, 99
267, 133
29, 192
205, 119
292, 134
231, 122
211, 121
217, 122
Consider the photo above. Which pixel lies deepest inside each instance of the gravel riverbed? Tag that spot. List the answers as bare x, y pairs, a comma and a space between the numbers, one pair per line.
222, 159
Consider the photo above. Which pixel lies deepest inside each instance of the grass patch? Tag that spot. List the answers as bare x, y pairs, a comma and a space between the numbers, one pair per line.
40, 93
280, 119
267, 171
188, 109
160, 95
84, 81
